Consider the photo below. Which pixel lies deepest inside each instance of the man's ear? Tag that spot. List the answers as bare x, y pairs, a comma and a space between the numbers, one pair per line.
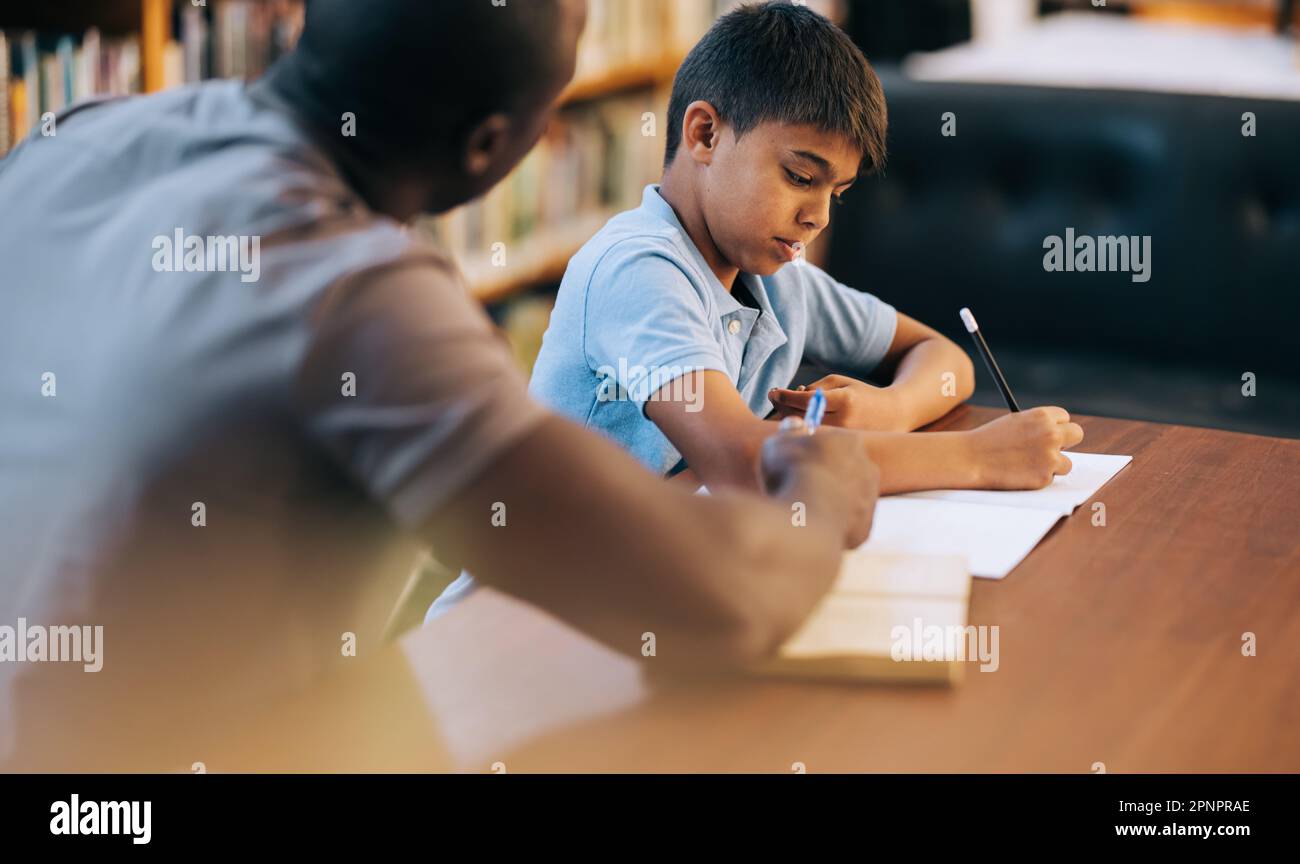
701, 128
486, 143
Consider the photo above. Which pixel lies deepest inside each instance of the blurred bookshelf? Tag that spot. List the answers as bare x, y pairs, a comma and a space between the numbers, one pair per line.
55, 53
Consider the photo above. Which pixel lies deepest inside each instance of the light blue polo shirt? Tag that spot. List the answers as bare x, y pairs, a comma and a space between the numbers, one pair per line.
639, 308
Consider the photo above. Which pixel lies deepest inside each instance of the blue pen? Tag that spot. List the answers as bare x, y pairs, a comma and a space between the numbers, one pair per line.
812, 417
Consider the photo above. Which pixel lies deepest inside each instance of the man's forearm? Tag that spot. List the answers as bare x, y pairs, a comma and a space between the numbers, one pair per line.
786, 556
616, 552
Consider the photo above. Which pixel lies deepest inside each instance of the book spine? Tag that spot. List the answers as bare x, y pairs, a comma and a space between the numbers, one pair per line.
154, 32
88, 79
239, 39
5, 97
66, 53
194, 38
51, 87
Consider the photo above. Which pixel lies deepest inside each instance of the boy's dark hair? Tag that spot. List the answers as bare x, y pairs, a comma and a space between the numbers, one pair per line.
776, 61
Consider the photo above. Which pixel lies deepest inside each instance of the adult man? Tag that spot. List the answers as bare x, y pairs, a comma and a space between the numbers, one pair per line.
232, 477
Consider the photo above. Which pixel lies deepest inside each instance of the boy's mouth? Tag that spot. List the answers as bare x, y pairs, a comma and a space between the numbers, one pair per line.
791, 249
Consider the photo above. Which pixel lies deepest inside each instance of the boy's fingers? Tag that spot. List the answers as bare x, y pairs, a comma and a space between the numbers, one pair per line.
1063, 464
790, 398
796, 400
829, 384
1073, 435
1060, 415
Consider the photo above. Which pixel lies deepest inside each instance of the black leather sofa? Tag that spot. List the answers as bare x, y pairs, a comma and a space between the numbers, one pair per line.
961, 221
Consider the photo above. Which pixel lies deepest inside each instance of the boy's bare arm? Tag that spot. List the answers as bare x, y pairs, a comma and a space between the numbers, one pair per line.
719, 436
930, 376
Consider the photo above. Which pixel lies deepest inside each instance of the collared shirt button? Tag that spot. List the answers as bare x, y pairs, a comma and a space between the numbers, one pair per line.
733, 327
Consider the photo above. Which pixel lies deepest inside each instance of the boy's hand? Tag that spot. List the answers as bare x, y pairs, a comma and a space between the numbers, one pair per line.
829, 472
850, 403
1023, 450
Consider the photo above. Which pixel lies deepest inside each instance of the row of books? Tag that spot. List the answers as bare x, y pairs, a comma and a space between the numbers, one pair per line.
230, 39
593, 161
627, 32
43, 73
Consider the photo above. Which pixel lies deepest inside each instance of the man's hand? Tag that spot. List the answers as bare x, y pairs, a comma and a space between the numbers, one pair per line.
829, 472
850, 404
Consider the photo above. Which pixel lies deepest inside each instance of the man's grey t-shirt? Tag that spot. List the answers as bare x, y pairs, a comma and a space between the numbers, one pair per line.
216, 450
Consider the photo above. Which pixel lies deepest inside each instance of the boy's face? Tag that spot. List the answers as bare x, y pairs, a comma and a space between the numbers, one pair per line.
773, 188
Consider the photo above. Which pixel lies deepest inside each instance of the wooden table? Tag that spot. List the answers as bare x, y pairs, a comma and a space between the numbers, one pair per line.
1120, 645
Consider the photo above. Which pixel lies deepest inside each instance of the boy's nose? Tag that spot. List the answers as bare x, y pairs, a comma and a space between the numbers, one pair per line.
814, 219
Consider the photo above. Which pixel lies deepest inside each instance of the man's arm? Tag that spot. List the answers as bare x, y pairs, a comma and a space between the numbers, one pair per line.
719, 436
595, 539
439, 427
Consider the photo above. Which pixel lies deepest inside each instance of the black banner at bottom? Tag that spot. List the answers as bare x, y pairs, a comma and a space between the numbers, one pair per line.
330, 812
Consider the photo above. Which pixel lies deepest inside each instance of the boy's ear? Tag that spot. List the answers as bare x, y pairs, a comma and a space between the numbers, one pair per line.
486, 143
701, 127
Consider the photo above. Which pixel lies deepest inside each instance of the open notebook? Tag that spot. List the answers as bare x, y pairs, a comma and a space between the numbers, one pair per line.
869, 625
991, 531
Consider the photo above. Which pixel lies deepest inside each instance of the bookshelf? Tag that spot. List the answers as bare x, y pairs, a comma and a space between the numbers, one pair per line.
536, 260
620, 77
147, 20
54, 54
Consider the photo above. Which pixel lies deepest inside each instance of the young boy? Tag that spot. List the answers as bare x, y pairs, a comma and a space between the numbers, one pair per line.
679, 327
681, 324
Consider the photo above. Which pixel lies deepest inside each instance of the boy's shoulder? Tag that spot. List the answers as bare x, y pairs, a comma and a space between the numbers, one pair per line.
634, 239
628, 236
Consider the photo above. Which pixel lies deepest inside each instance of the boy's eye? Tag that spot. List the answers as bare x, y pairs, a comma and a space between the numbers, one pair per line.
798, 179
